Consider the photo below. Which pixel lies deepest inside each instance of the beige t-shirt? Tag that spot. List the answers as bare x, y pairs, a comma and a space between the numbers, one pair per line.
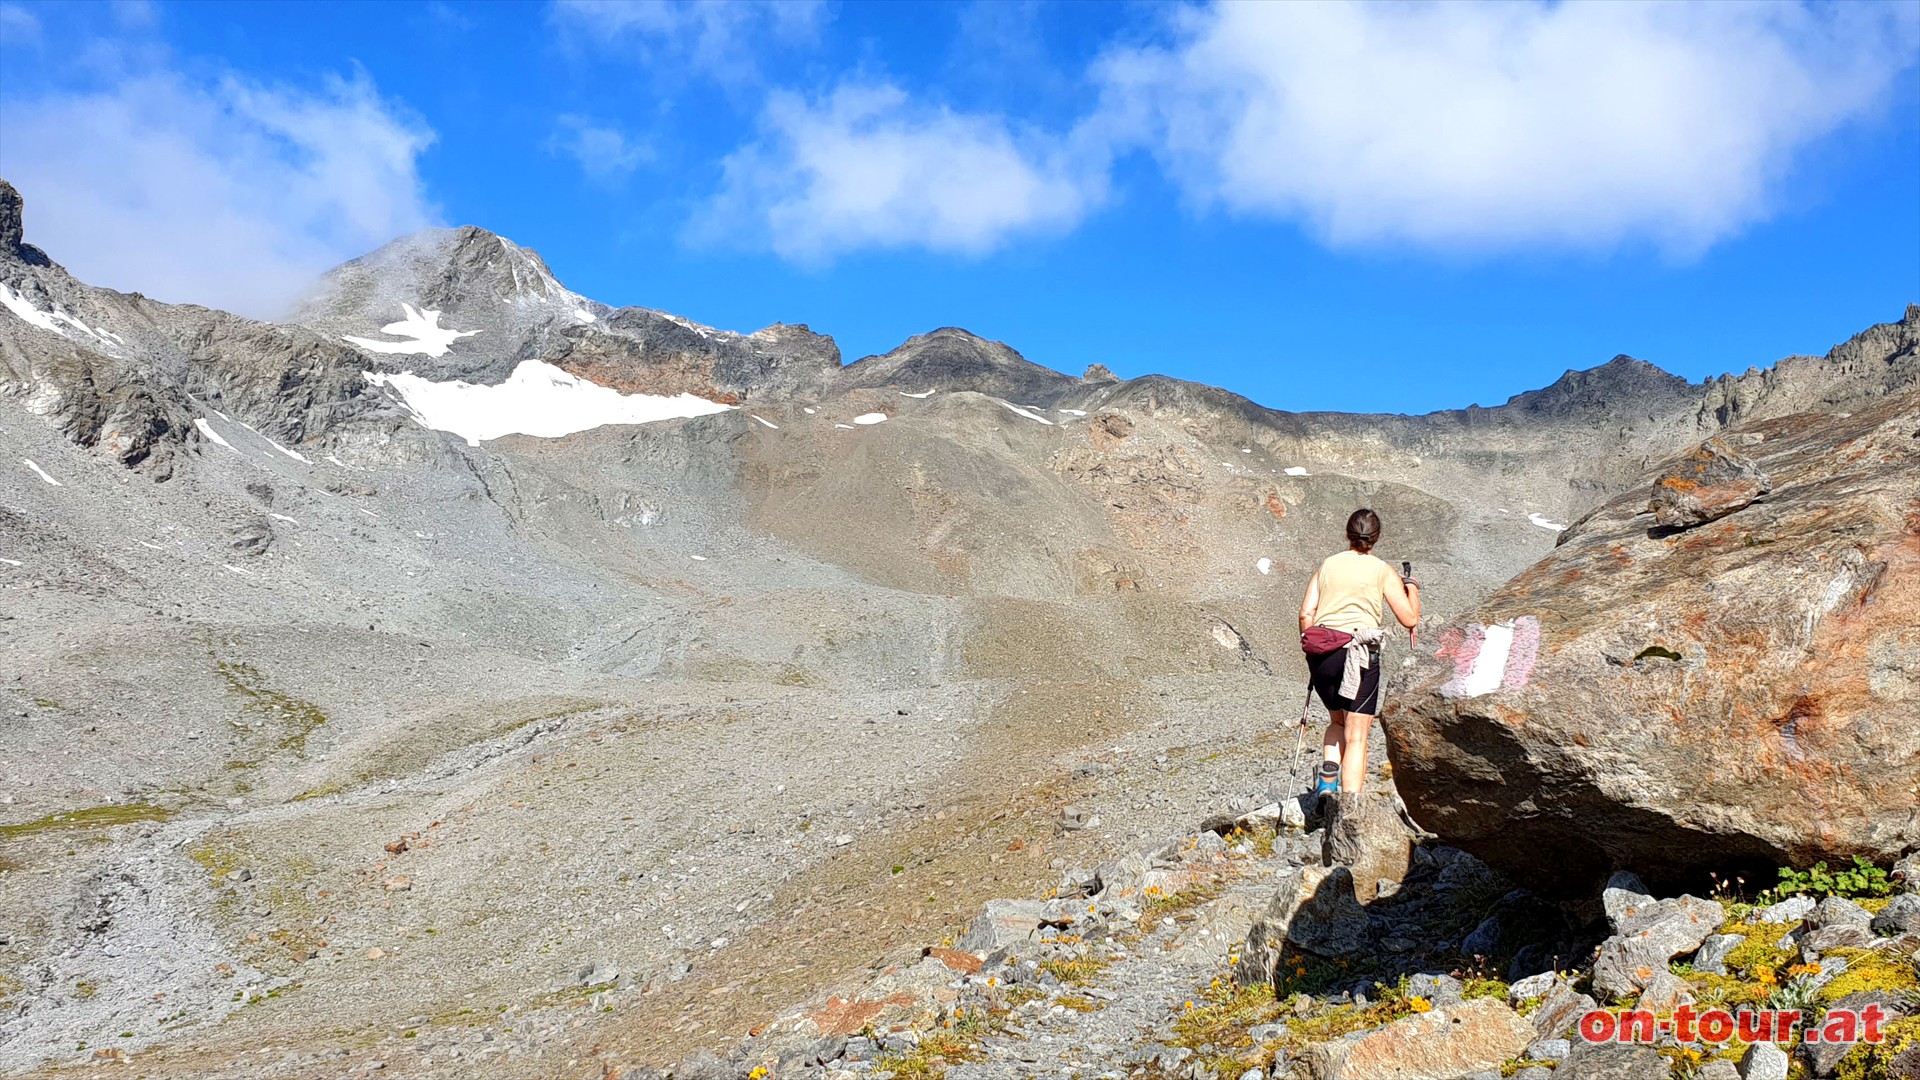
1353, 590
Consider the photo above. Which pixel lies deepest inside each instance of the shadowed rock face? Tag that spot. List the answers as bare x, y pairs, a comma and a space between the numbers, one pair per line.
1674, 701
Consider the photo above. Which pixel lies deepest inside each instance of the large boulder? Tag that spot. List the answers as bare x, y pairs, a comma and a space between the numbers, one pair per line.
1677, 701
1313, 910
1445, 1044
1705, 484
1365, 834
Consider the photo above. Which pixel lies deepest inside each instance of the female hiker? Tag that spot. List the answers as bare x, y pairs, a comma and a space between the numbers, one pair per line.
1340, 630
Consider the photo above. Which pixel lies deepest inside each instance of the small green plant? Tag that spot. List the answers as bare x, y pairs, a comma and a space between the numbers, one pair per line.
1861, 880
1801, 994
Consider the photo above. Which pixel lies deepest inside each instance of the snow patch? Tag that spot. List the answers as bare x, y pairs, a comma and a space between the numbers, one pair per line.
294, 454
422, 330
1028, 413
1073, 412
11, 562
1541, 520
48, 320
698, 558
871, 418
283, 517
156, 547
538, 399
212, 435
767, 422
237, 570
1265, 565
922, 394
808, 409
849, 427
1295, 470
40, 471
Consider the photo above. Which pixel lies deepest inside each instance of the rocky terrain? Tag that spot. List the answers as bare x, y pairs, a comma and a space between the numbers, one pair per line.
465, 678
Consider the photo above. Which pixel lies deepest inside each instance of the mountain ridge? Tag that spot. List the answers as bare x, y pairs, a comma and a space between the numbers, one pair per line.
658, 702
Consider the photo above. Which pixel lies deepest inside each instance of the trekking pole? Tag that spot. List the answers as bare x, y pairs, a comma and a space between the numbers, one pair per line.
1406, 574
1300, 733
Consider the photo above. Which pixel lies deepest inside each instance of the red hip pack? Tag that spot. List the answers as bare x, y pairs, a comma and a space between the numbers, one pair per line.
1321, 640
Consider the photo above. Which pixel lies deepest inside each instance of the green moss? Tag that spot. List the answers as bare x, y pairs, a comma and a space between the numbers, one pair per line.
1479, 987
296, 717
93, 817
218, 860
1869, 969
1761, 949
1872, 1061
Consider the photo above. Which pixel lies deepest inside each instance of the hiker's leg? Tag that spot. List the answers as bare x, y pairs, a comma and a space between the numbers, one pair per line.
1353, 754
1336, 737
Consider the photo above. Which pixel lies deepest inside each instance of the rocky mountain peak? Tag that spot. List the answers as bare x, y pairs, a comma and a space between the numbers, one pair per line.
951, 358
1621, 384
13, 243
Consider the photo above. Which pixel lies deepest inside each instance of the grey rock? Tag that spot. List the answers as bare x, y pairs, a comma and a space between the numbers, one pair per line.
1483, 940
1560, 1011
1717, 1069
1907, 871
1650, 937
1365, 833
1837, 911
1011, 924
1764, 1061
1712, 957
1123, 877
1623, 894
1838, 936
1664, 992
1901, 915
704, 1065
1534, 1072
598, 973
1613, 1061
1549, 1049
1533, 986
1439, 989
1792, 909
1314, 909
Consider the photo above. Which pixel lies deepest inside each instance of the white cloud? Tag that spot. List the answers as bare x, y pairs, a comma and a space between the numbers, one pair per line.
605, 154
867, 168
721, 38
1503, 125
235, 195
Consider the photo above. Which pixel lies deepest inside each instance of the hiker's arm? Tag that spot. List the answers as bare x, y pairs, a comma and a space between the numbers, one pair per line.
1310, 606
1404, 598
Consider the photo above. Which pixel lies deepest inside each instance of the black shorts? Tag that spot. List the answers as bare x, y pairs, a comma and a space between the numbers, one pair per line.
1326, 672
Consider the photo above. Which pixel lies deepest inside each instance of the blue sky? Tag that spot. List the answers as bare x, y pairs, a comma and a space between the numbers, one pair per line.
1370, 208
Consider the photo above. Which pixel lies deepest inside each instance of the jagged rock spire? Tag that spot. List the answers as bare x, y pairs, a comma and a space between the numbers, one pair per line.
13, 229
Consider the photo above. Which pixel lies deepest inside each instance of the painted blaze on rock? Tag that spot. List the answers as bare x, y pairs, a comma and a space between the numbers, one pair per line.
1679, 701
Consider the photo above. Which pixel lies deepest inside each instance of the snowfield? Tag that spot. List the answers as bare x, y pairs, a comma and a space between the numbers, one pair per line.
538, 399
425, 336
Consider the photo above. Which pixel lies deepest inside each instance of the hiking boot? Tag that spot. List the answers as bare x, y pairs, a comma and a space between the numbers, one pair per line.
1326, 784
